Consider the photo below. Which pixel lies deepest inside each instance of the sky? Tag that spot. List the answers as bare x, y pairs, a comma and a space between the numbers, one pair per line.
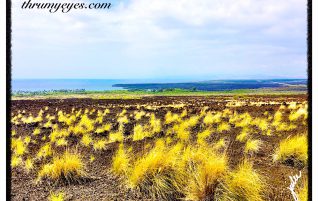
169, 39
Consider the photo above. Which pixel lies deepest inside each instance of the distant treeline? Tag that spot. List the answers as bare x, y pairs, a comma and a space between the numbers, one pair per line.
47, 92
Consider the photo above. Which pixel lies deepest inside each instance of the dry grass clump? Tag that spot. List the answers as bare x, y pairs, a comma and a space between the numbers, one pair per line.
171, 118
204, 176
140, 132
244, 183
45, 151
154, 173
295, 115
293, 148
223, 126
85, 125
104, 128
170, 172
57, 196
183, 129
28, 164
36, 131
121, 161
117, 136
155, 124
185, 156
252, 146
86, 140
139, 115
99, 145
201, 137
16, 161
210, 118
18, 146
242, 137
68, 166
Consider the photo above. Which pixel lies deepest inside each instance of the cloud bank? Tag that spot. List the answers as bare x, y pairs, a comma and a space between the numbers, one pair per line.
163, 38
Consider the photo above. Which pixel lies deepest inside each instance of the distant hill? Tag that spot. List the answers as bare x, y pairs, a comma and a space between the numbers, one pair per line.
221, 85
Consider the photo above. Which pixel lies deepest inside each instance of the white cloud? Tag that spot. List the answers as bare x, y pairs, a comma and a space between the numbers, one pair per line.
146, 28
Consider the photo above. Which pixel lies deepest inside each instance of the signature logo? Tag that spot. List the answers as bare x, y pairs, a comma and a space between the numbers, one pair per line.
293, 182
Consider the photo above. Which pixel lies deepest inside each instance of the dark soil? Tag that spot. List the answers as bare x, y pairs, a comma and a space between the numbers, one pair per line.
102, 185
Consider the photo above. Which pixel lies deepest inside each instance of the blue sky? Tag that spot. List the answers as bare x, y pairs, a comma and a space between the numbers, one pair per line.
175, 39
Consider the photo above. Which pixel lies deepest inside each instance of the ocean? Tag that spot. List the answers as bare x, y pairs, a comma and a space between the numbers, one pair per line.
61, 84
33, 85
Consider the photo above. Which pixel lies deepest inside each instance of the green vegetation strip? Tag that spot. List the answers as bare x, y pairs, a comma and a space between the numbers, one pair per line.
135, 94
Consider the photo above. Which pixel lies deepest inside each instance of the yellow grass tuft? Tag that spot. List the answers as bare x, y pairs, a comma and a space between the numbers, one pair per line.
18, 146
57, 196
123, 120
44, 151
224, 126
28, 164
36, 131
104, 128
86, 140
243, 135
205, 177
245, 183
294, 148
139, 115
16, 161
210, 118
171, 118
100, 145
295, 115
117, 136
121, 162
68, 166
140, 132
203, 135
155, 124
252, 146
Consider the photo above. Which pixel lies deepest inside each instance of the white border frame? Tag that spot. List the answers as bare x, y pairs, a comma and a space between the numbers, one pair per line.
3, 98
314, 99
